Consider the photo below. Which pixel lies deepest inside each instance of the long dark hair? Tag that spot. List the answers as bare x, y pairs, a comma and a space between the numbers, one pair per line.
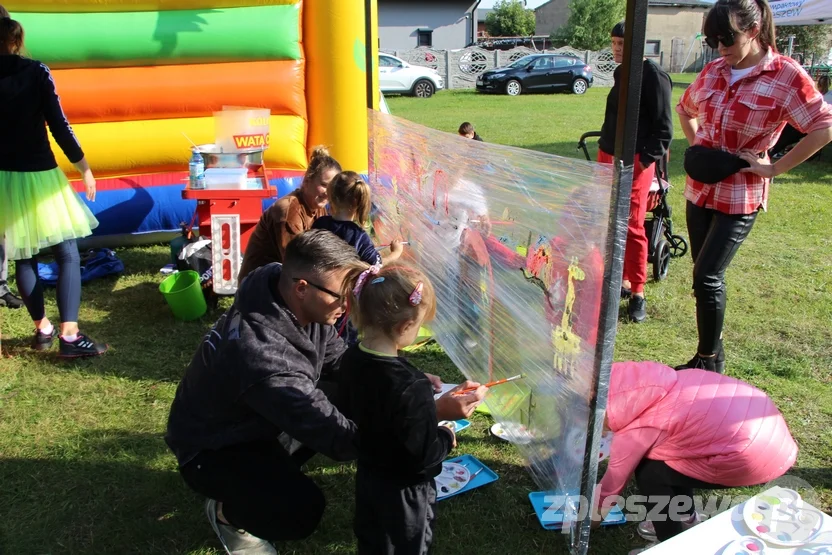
11, 36
739, 16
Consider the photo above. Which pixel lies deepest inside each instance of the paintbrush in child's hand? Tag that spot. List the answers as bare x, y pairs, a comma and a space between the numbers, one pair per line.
489, 384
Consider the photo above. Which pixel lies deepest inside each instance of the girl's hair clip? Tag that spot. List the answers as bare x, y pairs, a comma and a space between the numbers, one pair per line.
371, 271
377, 280
416, 297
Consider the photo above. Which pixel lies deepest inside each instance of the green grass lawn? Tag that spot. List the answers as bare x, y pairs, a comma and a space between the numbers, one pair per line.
84, 469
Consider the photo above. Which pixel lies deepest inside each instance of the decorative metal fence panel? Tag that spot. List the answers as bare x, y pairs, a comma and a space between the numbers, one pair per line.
460, 68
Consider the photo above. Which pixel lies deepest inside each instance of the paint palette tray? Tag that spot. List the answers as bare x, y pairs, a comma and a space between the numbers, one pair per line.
548, 507
478, 475
458, 425
781, 518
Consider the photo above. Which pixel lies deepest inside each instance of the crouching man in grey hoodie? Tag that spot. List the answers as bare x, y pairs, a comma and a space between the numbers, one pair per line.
252, 407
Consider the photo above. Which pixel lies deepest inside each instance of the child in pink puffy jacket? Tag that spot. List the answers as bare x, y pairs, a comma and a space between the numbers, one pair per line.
680, 430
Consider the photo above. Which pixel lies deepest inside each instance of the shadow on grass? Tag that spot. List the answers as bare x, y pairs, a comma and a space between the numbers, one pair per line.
103, 500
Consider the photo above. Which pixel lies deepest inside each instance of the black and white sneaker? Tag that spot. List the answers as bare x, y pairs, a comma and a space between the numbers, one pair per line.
43, 341
83, 346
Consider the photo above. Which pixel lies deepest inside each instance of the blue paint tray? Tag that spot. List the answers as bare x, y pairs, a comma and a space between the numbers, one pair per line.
549, 510
484, 475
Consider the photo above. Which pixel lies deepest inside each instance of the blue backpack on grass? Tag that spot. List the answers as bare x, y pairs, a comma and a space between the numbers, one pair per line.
95, 263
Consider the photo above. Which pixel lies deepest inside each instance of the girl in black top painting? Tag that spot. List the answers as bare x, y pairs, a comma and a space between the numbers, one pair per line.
38, 206
400, 443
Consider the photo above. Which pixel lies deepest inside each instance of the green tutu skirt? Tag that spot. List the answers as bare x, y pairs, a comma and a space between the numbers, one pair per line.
38, 210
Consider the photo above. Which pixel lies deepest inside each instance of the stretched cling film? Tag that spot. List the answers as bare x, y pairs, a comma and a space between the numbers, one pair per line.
513, 242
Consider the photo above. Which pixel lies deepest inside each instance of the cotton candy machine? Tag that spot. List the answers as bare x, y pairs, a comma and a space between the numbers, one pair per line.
236, 184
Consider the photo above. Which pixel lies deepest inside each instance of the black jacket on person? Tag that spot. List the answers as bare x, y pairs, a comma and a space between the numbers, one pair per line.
655, 115
255, 376
391, 402
28, 102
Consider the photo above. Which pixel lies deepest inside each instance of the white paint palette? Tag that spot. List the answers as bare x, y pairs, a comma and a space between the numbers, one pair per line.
452, 479
512, 432
780, 518
747, 545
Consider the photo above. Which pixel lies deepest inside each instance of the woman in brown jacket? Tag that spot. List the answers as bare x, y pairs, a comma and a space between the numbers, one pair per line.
291, 215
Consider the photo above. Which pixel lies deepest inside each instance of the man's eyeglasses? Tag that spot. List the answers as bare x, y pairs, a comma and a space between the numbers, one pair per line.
726, 40
337, 296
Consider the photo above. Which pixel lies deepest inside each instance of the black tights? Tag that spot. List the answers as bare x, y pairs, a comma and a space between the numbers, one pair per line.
715, 238
69, 282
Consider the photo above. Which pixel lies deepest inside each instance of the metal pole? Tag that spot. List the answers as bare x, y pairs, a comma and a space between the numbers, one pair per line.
692, 44
626, 131
791, 45
370, 62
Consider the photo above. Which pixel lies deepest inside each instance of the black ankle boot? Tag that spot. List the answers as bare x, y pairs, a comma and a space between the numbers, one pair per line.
701, 363
719, 360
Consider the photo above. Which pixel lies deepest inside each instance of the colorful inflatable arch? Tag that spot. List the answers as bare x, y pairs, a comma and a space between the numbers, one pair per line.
134, 75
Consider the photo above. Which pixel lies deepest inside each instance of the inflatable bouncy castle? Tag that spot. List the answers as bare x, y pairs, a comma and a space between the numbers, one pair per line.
136, 77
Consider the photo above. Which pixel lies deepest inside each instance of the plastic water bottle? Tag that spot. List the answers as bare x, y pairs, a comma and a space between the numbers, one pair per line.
196, 169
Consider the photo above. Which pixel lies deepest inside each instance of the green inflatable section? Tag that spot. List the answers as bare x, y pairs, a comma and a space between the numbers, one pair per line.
163, 38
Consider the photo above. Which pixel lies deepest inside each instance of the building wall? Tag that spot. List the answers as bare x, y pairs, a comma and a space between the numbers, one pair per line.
551, 16
674, 27
682, 24
399, 22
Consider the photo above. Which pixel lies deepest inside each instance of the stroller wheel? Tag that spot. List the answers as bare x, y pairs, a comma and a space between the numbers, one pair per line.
678, 246
661, 260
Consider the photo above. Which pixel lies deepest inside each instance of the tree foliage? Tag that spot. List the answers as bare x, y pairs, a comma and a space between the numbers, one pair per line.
808, 39
510, 18
590, 23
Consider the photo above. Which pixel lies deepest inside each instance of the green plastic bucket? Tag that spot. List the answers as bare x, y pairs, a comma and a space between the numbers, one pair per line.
184, 295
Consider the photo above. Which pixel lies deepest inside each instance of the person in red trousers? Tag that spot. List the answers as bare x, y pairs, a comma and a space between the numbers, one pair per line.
655, 131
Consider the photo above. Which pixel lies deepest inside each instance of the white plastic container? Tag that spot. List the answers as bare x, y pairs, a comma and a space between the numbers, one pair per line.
226, 178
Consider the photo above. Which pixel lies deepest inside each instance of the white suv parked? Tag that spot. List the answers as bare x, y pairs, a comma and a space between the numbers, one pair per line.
399, 77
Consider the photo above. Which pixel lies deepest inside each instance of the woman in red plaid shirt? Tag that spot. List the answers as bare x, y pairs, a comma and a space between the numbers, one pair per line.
739, 105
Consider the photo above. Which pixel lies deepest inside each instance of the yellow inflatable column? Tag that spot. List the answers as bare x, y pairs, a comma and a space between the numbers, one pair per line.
336, 81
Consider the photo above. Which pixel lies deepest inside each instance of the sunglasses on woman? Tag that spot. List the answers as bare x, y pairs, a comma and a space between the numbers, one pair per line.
726, 40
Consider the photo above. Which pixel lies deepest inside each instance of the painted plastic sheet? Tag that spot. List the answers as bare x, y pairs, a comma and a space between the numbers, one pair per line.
159, 38
512, 241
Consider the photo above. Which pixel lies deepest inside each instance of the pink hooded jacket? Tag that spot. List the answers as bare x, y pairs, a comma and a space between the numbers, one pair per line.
704, 425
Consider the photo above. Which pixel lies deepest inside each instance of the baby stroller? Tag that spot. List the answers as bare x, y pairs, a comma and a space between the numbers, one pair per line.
662, 243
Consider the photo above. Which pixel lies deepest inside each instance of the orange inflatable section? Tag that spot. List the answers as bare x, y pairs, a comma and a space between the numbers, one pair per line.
186, 91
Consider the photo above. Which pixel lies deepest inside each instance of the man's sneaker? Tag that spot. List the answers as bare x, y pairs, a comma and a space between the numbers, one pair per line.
637, 309
10, 301
626, 293
236, 542
43, 341
83, 346
647, 531
639, 550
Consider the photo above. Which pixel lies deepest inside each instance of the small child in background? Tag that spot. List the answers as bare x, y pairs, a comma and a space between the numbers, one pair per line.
401, 445
677, 431
467, 130
349, 207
